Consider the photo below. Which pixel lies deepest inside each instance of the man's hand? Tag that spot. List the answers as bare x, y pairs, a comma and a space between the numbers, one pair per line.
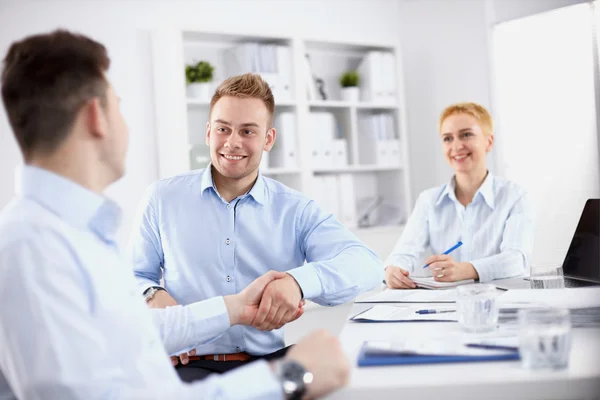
243, 307
281, 303
397, 278
445, 269
321, 354
162, 299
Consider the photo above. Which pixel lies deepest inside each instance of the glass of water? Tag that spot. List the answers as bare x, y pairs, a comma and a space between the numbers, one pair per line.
477, 307
547, 278
544, 338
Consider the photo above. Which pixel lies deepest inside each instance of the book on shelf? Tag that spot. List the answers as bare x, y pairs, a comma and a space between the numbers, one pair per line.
377, 140
284, 152
378, 77
272, 62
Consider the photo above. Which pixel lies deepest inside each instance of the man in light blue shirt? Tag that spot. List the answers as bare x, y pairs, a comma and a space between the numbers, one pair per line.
212, 231
73, 325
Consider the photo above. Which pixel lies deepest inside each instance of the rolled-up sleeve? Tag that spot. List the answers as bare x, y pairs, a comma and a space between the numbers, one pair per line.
339, 266
145, 249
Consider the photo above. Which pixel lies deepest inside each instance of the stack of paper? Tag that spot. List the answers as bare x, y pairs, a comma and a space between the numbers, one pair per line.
412, 296
385, 313
430, 283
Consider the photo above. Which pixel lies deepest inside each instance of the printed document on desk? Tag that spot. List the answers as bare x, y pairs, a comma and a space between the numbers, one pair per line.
430, 283
412, 296
427, 351
385, 313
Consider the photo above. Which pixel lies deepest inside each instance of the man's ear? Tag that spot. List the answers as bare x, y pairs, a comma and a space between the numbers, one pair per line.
95, 117
208, 133
271, 135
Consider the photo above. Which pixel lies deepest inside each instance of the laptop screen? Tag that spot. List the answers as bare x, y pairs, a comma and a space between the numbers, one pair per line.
583, 257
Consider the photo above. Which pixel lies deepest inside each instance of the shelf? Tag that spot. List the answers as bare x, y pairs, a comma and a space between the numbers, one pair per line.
280, 171
344, 104
357, 168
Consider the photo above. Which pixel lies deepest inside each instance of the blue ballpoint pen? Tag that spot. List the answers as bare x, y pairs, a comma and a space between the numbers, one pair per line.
450, 250
433, 311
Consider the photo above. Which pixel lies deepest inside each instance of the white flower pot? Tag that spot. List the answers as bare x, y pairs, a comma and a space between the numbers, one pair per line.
200, 90
350, 94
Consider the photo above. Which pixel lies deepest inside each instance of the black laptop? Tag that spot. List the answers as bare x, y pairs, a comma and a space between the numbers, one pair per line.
582, 263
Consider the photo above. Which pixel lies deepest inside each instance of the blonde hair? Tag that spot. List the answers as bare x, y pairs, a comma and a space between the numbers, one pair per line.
475, 110
246, 86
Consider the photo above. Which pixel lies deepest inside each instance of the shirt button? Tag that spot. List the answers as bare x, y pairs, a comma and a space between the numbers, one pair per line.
228, 206
228, 278
238, 348
228, 241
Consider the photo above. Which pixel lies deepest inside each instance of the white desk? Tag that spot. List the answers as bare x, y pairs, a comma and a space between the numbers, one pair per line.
489, 380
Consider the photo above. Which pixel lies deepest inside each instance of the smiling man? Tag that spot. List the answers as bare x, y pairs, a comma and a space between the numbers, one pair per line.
212, 231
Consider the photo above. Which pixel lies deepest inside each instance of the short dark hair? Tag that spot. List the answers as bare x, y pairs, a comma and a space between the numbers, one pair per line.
46, 80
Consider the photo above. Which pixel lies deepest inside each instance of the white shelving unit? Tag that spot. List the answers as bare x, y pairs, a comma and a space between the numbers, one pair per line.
181, 121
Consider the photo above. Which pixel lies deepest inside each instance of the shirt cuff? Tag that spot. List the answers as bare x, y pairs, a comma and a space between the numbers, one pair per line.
484, 269
212, 308
253, 381
308, 280
143, 284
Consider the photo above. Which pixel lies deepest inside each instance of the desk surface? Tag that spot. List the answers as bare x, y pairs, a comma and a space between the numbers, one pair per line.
489, 380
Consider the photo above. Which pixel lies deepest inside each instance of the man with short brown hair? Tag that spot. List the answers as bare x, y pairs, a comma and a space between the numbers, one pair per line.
211, 232
72, 325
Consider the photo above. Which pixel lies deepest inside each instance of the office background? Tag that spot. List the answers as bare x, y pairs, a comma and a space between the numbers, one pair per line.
448, 56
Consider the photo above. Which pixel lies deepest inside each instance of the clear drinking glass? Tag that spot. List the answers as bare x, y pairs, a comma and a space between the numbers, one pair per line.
547, 278
477, 307
544, 338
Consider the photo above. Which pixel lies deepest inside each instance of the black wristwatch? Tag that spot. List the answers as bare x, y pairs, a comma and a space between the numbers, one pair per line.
151, 291
294, 378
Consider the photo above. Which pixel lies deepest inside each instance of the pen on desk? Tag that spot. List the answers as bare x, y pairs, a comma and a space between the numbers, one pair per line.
492, 347
433, 311
450, 250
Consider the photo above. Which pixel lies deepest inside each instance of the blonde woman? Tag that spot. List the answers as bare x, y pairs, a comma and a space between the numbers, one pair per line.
491, 216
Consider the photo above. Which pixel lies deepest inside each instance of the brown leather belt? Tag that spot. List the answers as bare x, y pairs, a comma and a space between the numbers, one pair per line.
222, 357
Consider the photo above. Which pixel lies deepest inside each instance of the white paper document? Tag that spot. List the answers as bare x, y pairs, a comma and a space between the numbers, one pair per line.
385, 313
585, 297
430, 283
412, 296
440, 347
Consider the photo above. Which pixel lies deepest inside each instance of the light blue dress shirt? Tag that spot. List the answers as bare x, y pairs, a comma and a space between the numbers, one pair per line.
496, 229
73, 324
208, 247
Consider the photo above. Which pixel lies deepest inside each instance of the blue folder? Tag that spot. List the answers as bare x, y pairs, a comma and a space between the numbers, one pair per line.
379, 358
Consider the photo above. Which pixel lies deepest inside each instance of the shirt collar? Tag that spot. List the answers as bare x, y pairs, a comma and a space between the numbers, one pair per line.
257, 192
486, 190
70, 201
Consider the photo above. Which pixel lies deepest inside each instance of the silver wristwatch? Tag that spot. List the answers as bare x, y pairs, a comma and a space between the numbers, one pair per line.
294, 378
151, 291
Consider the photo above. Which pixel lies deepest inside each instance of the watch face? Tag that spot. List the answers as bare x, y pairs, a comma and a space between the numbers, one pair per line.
293, 371
294, 379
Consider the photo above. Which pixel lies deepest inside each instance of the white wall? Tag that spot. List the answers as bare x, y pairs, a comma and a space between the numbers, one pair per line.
124, 26
446, 61
505, 10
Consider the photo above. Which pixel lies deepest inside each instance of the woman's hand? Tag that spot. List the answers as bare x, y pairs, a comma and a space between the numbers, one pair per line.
445, 269
397, 278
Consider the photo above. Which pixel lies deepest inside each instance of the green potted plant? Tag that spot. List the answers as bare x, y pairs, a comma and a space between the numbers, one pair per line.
199, 78
349, 82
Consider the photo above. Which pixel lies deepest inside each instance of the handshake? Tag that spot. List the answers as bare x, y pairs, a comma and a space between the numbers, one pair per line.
268, 303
